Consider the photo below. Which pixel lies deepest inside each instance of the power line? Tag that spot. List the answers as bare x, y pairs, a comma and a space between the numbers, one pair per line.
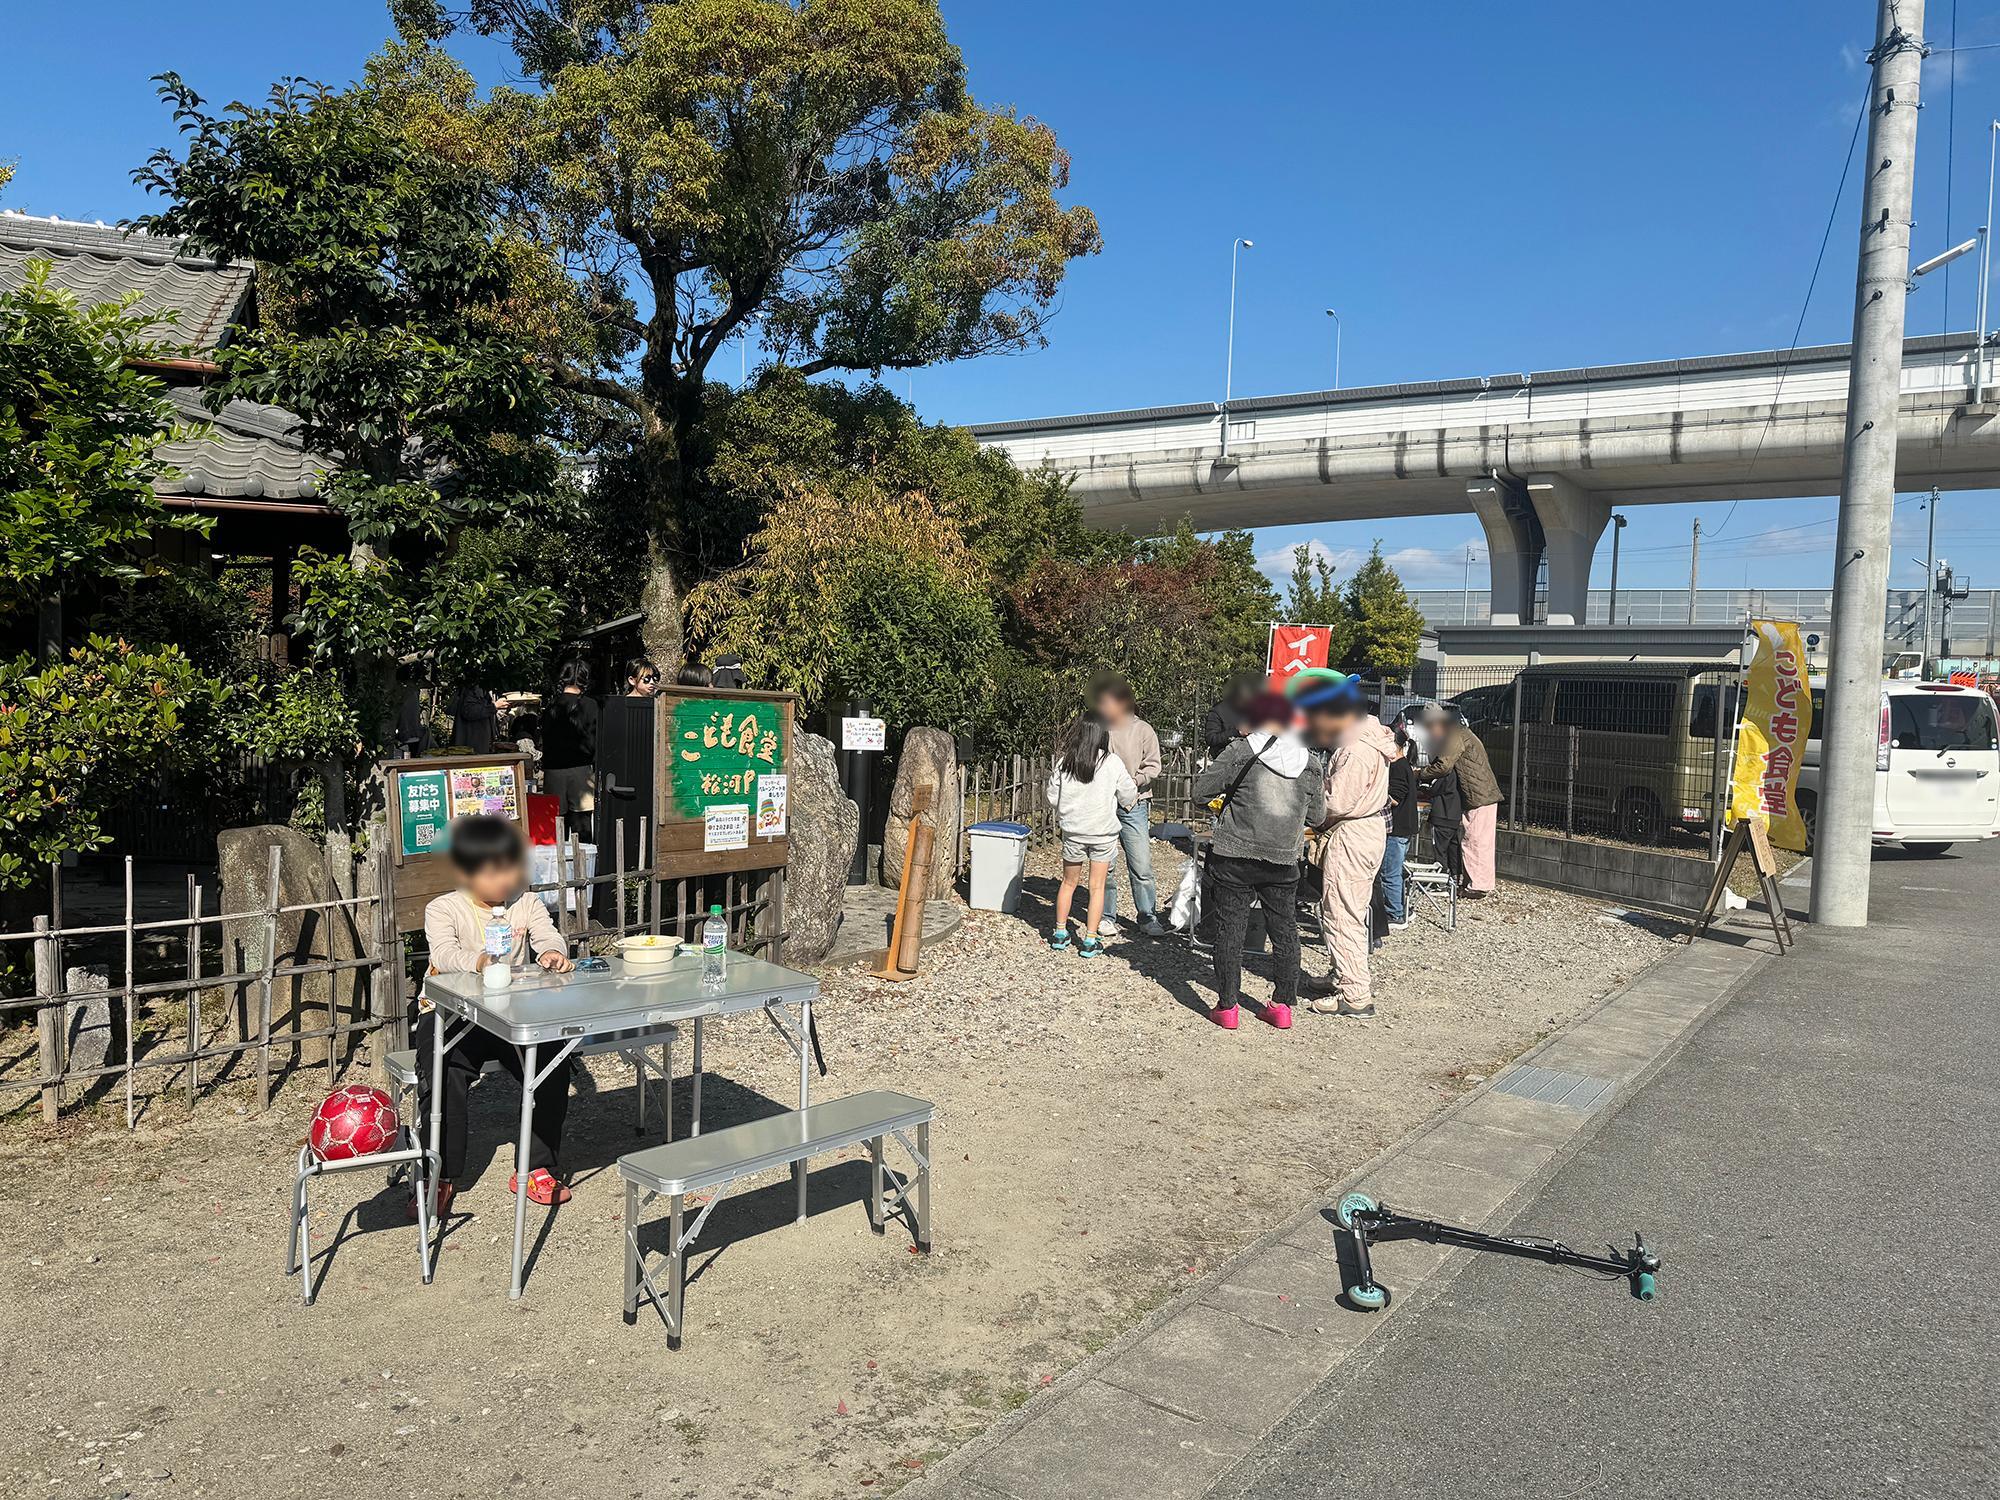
1826, 236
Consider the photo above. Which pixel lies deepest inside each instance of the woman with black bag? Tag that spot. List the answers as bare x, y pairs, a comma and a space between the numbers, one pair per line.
1262, 797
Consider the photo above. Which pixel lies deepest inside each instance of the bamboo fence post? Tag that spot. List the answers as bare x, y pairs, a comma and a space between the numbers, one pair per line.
572, 871
131, 980
50, 1018
618, 842
194, 991
273, 871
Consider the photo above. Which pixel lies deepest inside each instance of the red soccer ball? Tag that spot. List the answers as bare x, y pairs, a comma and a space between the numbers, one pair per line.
357, 1120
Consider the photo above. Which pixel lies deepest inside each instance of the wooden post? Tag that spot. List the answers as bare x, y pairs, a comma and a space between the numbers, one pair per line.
906, 934
267, 975
51, 1017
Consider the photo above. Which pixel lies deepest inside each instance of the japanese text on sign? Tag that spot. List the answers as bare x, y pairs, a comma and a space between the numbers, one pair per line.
863, 734
719, 750
421, 814
1772, 735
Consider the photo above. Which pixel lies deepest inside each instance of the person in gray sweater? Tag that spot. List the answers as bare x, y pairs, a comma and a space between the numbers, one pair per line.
1263, 798
1134, 742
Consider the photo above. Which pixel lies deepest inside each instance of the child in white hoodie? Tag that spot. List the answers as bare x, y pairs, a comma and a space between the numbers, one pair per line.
1087, 786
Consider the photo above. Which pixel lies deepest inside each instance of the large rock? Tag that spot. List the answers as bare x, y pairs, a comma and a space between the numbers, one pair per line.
929, 758
95, 1029
243, 855
825, 824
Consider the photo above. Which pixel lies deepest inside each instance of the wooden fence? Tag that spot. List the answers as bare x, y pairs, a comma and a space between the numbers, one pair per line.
190, 1027
1013, 789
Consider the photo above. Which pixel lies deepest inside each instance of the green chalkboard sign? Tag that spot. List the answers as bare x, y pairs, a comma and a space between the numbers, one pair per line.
423, 811
718, 747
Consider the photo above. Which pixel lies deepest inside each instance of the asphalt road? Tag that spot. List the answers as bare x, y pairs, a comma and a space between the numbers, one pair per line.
1819, 1170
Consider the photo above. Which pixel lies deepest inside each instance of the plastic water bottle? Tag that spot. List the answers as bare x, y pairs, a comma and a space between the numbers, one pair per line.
714, 949
499, 949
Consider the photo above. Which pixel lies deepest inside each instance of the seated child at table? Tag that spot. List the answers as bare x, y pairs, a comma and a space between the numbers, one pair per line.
489, 856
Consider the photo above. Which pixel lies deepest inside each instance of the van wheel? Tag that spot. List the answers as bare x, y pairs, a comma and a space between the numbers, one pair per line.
1809, 815
1926, 851
1638, 818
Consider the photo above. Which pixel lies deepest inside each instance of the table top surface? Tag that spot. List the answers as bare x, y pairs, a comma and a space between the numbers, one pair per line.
539, 1006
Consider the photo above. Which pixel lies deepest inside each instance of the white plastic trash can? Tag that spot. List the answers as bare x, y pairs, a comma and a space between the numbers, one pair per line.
999, 854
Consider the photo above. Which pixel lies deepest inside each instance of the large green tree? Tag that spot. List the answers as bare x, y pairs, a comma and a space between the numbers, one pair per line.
388, 323
1383, 626
818, 168
80, 432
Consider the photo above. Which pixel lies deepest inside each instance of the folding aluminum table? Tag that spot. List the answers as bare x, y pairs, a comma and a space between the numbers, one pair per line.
548, 1016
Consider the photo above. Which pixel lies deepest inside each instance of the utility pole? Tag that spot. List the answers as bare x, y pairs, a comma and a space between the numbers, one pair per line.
1694, 570
1465, 589
1930, 583
1868, 477
1617, 534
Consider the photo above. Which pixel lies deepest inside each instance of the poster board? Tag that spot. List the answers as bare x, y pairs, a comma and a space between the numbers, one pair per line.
713, 811
424, 796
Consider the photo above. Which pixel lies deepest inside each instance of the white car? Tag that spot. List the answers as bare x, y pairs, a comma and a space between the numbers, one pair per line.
1937, 767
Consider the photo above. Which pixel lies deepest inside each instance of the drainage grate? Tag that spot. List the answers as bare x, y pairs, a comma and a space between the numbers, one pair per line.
1545, 1086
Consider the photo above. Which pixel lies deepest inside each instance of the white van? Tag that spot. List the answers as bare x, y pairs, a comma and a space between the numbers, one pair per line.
1937, 767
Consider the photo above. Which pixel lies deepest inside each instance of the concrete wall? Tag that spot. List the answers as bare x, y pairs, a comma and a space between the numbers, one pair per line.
1610, 872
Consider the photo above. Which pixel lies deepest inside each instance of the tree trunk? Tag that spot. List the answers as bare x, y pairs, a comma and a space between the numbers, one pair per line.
660, 598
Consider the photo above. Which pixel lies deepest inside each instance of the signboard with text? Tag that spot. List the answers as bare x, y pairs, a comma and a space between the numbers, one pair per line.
1771, 736
1293, 648
722, 763
425, 796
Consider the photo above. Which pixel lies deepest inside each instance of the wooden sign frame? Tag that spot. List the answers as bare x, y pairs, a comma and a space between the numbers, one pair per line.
677, 838
420, 878
1751, 834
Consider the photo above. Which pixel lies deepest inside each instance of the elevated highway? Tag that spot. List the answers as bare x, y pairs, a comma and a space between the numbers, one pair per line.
1539, 458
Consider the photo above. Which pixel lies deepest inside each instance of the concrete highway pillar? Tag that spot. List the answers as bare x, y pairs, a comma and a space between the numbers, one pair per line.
1513, 545
1572, 521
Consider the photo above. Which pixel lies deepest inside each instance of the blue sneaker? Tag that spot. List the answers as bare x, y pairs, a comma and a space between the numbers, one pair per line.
1059, 939
1090, 947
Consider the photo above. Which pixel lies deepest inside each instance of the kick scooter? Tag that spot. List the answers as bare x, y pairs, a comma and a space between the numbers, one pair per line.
1364, 1220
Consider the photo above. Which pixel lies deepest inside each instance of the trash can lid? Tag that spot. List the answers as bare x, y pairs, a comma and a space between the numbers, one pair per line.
1001, 829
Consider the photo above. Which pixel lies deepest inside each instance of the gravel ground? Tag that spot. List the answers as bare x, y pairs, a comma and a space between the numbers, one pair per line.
1098, 1145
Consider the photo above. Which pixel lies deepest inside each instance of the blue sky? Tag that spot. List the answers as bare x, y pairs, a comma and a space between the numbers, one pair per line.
1478, 188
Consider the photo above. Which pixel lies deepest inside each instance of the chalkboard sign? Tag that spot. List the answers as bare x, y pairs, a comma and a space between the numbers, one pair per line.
718, 749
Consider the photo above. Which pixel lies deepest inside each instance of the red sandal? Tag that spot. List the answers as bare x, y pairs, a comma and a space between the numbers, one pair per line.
542, 1186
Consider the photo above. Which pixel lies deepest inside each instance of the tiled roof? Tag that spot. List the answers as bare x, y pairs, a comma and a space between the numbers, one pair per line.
101, 262
250, 454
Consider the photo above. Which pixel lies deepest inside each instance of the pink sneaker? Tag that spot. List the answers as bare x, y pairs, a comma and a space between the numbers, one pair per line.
1224, 1016
1276, 1015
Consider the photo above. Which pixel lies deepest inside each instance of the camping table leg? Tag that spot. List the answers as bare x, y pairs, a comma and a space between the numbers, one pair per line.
875, 1214
924, 1187
694, 1124
805, 1092
521, 1161
532, 1078
676, 1272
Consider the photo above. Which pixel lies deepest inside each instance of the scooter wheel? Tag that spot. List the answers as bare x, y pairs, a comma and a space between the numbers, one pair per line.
1642, 1286
1368, 1298
1349, 1205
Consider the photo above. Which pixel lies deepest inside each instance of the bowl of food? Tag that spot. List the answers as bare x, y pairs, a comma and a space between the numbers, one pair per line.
648, 950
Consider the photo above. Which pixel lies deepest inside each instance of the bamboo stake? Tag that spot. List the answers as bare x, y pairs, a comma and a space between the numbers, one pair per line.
131, 979
50, 1021
194, 993
273, 871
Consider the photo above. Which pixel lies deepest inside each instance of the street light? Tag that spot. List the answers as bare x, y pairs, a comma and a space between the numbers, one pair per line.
1985, 262
1229, 363
1336, 346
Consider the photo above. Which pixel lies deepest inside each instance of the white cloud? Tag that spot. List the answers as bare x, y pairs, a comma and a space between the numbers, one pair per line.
1418, 567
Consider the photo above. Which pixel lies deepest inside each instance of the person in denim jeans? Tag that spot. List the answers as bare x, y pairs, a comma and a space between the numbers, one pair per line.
1402, 816
1134, 742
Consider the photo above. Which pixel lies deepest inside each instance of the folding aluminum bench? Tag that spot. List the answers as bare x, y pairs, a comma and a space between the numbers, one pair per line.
719, 1159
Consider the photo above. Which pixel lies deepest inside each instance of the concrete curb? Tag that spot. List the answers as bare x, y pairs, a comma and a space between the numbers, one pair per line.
1141, 1416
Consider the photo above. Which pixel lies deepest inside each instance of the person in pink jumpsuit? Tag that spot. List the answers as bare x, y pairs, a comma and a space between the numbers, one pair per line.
1360, 751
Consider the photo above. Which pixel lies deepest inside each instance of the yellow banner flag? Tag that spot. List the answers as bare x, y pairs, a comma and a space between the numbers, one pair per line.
1772, 733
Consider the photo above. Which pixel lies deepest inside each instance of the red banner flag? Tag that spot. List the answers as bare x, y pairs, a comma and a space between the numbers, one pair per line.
1296, 647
